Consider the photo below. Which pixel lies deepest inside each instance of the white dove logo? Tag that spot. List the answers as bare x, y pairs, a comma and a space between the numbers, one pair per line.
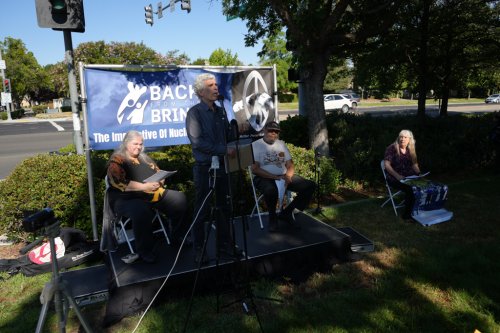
134, 93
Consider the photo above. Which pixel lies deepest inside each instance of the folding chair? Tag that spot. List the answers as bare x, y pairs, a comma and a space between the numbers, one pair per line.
124, 233
288, 196
395, 205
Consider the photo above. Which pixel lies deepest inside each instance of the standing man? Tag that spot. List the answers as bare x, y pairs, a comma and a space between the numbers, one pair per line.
207, 129
273, 162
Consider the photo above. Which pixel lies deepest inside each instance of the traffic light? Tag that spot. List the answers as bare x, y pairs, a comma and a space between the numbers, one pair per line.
160, 10
149, 14
61, 14
186, 5
6, 84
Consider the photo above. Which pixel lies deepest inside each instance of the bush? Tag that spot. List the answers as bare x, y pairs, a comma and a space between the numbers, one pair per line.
16, 114
287, 98
55, 181
59, 181
37, 109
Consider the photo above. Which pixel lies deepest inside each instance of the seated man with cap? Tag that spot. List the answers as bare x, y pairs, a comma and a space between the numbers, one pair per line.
274, 166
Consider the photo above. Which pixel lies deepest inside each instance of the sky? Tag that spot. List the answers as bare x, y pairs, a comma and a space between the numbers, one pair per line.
197, 34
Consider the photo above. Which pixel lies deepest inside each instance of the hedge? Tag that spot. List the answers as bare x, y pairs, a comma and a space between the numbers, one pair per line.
444, 145
59, 181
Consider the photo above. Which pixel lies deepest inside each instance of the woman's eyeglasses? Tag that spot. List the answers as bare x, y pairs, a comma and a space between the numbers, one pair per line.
273, 131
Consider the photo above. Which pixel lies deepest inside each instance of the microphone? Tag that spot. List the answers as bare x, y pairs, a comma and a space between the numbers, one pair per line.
215, 163
220, 98
233, 129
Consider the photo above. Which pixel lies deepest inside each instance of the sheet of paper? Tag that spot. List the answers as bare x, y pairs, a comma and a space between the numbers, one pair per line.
159, 176
280, 184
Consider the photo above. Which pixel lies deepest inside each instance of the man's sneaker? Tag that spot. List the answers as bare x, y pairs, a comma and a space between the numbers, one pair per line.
130, 258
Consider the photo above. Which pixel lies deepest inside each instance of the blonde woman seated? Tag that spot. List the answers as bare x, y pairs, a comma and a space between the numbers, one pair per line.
129, 196
400, 160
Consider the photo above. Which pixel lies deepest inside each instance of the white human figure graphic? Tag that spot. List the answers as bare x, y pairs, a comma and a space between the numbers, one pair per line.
136, 116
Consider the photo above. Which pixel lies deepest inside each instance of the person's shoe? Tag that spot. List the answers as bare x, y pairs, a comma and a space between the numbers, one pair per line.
231, 251
200, 256
130, 258
273, 225
288, 218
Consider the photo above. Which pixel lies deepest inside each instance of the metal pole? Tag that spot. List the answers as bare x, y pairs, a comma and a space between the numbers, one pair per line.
73, 93
9, 117
90, 177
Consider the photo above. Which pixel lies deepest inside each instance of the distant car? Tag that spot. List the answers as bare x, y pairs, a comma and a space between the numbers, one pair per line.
354, 97
339, 102
493, 99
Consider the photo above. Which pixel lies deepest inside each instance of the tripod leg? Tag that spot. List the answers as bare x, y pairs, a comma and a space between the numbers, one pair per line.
75, 307
42, 317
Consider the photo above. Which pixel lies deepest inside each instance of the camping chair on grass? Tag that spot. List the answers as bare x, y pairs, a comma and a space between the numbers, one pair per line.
395, 205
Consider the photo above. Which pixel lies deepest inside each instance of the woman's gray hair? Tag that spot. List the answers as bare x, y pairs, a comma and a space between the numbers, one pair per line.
199, 83
131, 135
411, 144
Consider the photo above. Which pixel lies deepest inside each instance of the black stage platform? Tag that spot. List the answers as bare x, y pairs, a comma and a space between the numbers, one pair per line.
285, 252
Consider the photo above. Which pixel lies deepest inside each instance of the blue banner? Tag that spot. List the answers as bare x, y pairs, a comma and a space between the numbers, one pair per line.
156, 103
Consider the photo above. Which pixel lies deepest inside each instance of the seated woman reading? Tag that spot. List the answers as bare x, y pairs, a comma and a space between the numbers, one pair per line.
400, 160
131, 197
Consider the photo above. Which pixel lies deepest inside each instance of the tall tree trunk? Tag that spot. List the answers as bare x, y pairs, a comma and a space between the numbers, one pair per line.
447, 74
423, 54
313, 77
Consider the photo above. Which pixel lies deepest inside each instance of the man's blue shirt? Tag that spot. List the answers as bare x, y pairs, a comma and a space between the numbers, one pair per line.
206, 130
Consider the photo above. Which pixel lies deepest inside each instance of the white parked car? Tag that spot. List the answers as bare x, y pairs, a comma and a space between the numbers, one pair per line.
493, 99
339, 102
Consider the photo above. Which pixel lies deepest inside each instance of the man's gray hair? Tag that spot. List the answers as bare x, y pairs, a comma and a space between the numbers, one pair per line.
199, 83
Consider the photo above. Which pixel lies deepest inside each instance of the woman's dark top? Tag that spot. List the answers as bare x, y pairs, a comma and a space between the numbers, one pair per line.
122, 170
401, 163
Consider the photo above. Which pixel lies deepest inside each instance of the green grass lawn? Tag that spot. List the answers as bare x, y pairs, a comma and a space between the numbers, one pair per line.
373, 102
443, 278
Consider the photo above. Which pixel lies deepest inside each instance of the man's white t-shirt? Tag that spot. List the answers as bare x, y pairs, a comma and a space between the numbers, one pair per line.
271, 157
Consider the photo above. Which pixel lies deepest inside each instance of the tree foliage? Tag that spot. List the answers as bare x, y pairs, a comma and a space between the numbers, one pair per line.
27, 77
275, 52
316, 31
438, 45
219, 57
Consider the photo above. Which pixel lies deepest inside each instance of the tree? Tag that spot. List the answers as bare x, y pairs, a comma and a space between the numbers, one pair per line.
128, 53
100, 52
316, 31
338, 77
275, 52
27, 77
436, 45
220, 57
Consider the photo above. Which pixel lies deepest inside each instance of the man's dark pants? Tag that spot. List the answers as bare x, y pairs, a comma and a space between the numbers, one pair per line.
202, 186
303, 187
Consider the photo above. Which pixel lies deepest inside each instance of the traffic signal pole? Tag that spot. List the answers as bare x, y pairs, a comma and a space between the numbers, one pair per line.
9, 117
73, 92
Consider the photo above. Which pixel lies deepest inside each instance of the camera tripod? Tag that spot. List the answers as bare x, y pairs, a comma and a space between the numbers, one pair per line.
57, 289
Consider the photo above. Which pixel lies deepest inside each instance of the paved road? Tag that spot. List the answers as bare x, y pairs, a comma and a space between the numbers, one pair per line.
431, 110
23, 139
